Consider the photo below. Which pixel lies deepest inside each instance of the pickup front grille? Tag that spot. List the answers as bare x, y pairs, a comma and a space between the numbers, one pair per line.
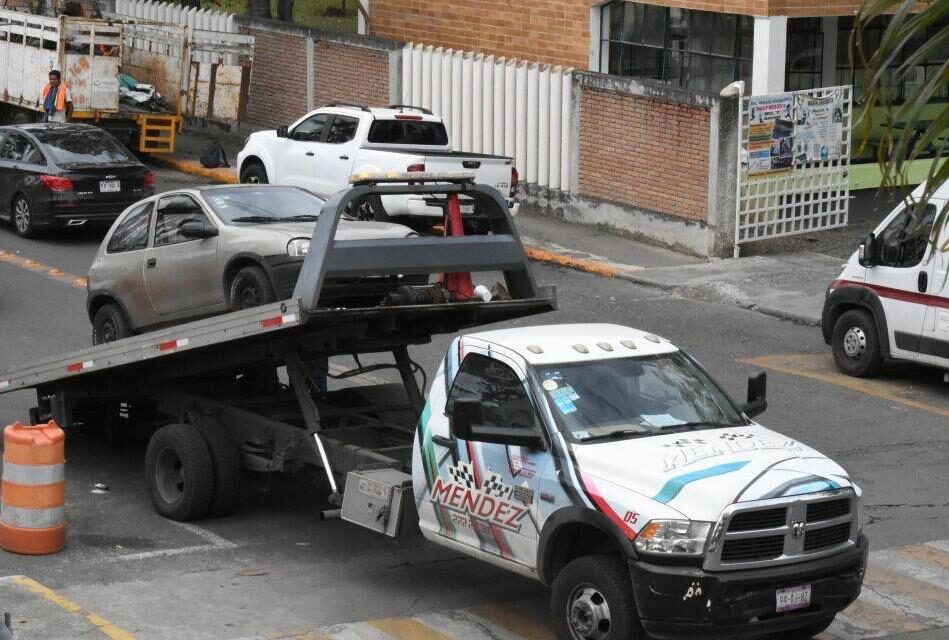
782, 530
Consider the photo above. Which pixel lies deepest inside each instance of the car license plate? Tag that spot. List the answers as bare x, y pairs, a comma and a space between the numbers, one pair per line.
110, 186
793, 598
467, 209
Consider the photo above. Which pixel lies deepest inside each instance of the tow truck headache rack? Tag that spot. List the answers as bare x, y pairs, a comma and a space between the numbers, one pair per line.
224, 369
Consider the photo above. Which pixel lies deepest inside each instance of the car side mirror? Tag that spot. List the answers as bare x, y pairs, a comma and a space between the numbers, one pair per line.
283, 131
197, 230
467, 423
867, 253
757, 395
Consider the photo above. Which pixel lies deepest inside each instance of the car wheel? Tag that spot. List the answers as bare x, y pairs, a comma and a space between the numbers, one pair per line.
179, 472
804, 633
856, 344
591, 599
110, 324
370, 209
251, 287
23, 217
254, 173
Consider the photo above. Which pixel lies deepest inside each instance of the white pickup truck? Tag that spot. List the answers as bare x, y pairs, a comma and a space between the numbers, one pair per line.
321, 150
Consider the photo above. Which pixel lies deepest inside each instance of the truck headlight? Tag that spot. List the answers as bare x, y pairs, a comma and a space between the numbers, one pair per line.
676, 537
298, 247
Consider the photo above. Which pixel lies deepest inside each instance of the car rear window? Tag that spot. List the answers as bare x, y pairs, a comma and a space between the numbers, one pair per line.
411, 132
83, 147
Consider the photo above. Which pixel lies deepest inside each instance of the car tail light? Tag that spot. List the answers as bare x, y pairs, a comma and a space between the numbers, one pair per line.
415, 167
515, 179
150, 179
56, 183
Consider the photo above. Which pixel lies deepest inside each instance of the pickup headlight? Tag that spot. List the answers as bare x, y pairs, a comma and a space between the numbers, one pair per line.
298, 247
675, 537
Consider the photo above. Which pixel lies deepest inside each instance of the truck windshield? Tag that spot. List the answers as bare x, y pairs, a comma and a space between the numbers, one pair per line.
263, 204
73, 147
408, 132
629, 397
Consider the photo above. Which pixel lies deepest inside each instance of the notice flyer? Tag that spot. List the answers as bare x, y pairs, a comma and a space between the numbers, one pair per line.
770, 133
818, 131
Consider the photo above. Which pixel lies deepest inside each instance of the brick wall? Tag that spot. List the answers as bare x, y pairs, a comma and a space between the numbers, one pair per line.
278, 79
645, 153
348, 73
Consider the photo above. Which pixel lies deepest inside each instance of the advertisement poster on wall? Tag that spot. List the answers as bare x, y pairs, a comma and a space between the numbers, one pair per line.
818, 127
770, 133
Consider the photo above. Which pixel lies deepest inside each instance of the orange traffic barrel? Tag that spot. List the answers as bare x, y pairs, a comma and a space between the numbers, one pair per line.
33, 492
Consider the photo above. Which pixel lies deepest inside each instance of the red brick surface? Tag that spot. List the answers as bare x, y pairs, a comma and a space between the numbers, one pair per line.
346, 73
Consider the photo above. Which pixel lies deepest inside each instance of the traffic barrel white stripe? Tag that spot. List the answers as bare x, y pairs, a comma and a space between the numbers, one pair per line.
33, 474
32, 518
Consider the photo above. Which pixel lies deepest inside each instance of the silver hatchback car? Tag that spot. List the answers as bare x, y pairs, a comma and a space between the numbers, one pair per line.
197, 252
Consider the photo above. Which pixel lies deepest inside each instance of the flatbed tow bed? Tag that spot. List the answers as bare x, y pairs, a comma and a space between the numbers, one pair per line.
217, 377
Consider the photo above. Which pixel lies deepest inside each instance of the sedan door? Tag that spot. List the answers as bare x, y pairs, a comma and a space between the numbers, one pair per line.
181, 274
298, 154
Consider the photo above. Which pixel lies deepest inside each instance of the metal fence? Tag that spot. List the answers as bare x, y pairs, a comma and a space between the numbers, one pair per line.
809, 194
500, 106
170, 13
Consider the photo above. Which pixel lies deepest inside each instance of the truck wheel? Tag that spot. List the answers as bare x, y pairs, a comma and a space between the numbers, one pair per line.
592, 599
856, 344
109, 324
23, 217
226, 461
804, 633
251, 287
254, 173
179, 472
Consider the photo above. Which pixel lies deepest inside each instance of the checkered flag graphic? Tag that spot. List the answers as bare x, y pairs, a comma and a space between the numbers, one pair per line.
463, 474
736, 436
495, 487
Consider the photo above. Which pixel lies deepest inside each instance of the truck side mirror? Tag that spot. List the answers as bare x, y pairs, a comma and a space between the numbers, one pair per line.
465, 413
468, 423
757, 395
283, 131
867, 253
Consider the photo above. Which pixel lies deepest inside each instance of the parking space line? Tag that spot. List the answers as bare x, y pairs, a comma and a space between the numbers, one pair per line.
107, 628
215, 543
41, 269
513, 620
820, 367
406, 629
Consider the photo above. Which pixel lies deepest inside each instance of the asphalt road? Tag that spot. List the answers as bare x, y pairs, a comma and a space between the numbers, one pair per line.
276, 570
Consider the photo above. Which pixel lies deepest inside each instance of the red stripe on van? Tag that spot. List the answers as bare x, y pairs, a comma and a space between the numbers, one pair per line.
897, 294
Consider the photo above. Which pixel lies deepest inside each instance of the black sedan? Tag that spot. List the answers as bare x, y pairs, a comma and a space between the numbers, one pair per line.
66, 175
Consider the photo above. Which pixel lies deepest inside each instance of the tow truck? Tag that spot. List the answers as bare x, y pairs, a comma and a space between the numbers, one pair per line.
600, 460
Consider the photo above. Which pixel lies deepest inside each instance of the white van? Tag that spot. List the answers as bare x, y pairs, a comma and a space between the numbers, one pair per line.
892, 298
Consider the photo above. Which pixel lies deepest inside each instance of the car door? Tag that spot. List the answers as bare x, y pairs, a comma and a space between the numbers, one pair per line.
488, 491
338, 153
19, 159
181, 273
6, 176
120, 271
901, 277
299, 154
936, 330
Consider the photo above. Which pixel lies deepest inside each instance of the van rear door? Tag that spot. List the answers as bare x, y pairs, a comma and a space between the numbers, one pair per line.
936, 327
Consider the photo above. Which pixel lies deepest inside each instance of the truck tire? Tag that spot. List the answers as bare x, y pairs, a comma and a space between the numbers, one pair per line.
856, 344
254, 173
109, 324
226, 462
21, 213
370, 209
179, 472
251, 287
592, 599
805, 633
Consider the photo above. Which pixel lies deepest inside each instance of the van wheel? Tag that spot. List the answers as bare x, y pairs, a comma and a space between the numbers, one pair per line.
592, 599
856, 344
251, 287
179, 472
109, 324
804, 633
254, 173
226, 460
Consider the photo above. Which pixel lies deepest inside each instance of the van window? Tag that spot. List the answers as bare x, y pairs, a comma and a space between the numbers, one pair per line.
411, 132
903, 243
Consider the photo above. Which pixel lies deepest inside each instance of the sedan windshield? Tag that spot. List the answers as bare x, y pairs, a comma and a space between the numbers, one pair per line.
629, 397
263, 204
71, 147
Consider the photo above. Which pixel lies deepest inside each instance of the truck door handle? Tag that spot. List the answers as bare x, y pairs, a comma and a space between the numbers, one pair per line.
344, 157
922, 282
151, 262
310, 153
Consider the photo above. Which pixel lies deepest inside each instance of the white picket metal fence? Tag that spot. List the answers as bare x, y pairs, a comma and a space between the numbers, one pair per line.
170, 13
495, 105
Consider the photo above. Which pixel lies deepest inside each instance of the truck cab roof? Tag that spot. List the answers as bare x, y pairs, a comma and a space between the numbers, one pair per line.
557, 343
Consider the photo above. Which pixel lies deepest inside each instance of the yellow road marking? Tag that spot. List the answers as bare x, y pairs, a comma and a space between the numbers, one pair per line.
298, 635
821, 367
407, 629
885, 619
927, 554
590, 266
896, 583
529, 627
107, 628
41, 269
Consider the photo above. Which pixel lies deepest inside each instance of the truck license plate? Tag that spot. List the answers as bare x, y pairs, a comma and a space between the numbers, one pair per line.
793, 598
110, 186
467, 209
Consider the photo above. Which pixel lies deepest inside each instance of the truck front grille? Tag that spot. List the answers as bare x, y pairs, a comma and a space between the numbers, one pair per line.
782, 530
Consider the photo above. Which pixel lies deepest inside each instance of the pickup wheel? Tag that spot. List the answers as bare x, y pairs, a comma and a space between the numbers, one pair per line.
179, 472
370, 209
856, 344
804, 633
251, 287
592, 599
109, 324
254, 173
226, 461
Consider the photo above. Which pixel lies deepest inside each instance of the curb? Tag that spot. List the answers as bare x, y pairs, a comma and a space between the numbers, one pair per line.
193, 167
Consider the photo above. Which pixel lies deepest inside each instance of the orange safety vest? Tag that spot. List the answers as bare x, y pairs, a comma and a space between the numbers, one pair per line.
60, 103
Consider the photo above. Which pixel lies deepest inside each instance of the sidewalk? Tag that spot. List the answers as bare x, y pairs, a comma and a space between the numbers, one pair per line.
790, 286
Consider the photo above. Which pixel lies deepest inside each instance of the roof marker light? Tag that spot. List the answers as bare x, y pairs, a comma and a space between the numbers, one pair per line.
652, 338
534, 348
580, 348
629, 344
606, 346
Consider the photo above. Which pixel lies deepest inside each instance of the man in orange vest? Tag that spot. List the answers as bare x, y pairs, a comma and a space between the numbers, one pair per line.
57, 103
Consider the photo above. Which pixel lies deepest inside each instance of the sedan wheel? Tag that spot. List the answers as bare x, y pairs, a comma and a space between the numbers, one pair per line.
251, 287
23, 218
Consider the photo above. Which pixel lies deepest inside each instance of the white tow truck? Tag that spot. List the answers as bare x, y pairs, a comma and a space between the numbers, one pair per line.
323, 148
598, 459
